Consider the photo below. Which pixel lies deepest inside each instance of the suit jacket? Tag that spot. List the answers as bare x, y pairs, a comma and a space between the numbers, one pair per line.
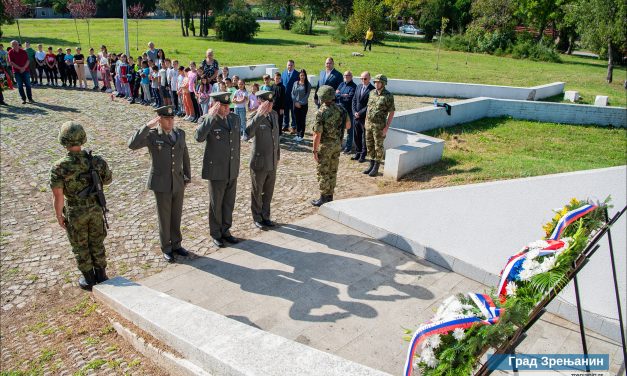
334, 79
345, 96
288, 82
170, 168
266, 150
221, 158
360, 102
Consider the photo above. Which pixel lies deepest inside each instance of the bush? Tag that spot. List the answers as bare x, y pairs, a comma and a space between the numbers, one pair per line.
301, 26
239, 26
366, 13
535, 51
338, 33
490, 42
458, 42
287, 21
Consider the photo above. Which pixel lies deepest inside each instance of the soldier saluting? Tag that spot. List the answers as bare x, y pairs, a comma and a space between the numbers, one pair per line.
77, 179
220, 165
263, 127
331, 118
169, 174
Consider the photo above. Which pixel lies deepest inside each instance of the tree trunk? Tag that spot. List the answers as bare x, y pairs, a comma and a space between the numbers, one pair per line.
88, 34
540, 32
182, 24
18, 29
192, 25
311, 23
610, 62
78, 36
137, 34
571, 43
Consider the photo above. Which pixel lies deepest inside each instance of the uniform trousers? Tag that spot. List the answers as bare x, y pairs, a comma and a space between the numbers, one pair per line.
169, 211
86, 232
221, 206
261, 193
374, 141
328, 162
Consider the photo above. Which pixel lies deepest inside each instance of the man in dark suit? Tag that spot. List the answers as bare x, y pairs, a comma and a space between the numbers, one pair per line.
360, 105
329, 76
278, 103
344, 97
220, 165
263, 129
288, 77
169, 174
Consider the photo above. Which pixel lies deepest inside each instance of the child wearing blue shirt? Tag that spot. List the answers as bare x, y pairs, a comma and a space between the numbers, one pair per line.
69, 66
145, 82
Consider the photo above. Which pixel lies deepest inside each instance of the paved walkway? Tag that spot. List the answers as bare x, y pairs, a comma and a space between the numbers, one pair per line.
325, 285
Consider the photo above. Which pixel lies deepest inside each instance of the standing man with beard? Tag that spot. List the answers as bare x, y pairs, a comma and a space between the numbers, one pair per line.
221, 131
169, 175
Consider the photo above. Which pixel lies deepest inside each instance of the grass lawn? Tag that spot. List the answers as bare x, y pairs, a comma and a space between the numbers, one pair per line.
408, 58
504, 148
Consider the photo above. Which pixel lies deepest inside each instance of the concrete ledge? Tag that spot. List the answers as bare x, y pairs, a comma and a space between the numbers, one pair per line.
403, 159
215, 343
250, 71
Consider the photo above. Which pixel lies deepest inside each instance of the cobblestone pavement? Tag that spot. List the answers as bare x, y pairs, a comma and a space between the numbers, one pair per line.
36, 262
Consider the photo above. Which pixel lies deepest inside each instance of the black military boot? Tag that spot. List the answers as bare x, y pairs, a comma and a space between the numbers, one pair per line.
375, 169
101, 274
328, 198
319, 201
367, 171
87, 280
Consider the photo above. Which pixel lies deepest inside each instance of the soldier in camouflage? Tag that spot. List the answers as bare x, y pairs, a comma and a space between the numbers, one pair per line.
327, 142
378, 120
81, 218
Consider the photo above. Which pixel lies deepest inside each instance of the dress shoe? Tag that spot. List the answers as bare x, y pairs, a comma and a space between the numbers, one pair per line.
218, 242
355, 157
361, 160
231, 239
347, 151
268, 223
87, 280
101, 274
181, 252
168, 256
260, 225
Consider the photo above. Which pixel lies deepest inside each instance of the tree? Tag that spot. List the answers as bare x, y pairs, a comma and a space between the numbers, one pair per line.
82, 9
113, 8
601, 25
136, 12
539, 13
366, 13
494, 15
13, 10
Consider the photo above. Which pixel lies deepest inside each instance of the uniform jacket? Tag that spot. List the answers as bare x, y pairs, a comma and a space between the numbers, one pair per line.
266, 150
288, 82
360, 102
72, 174
346, 95
170, 168
379, 106
221, 159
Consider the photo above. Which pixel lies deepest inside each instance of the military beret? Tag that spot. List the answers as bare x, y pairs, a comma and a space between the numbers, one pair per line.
265, 95
165, 111
222, 97
382, 78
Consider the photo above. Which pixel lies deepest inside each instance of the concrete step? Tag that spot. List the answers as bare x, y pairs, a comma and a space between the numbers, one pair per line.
217, 344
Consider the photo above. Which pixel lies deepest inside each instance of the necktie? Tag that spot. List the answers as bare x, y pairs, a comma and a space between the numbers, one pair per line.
363, 90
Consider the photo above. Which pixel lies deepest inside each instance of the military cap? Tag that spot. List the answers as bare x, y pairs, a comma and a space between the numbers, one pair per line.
72, 134
165, 111
381, 77
223, 97
265, 95
326, 93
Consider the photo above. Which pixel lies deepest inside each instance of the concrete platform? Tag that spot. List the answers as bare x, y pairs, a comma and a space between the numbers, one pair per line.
316, 283
473, 229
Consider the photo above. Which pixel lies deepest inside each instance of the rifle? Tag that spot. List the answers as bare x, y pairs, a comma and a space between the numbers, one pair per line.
95, 189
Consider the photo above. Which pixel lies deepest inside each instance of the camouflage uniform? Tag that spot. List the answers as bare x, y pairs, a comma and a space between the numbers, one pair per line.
379, 106
83, 216
329, 123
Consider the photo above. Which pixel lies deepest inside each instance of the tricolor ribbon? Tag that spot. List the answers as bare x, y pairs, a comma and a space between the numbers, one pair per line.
506, 274
569, 218
486, 305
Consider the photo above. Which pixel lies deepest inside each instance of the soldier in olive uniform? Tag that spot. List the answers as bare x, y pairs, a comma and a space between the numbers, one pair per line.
169, 174
327, 142
81, 216
378, 119
263, 127
220, 130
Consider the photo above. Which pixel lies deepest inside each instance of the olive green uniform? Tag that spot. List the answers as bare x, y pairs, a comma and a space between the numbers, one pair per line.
329, 122
169, 172
379, 106
83, 217
264, 159
221, 167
